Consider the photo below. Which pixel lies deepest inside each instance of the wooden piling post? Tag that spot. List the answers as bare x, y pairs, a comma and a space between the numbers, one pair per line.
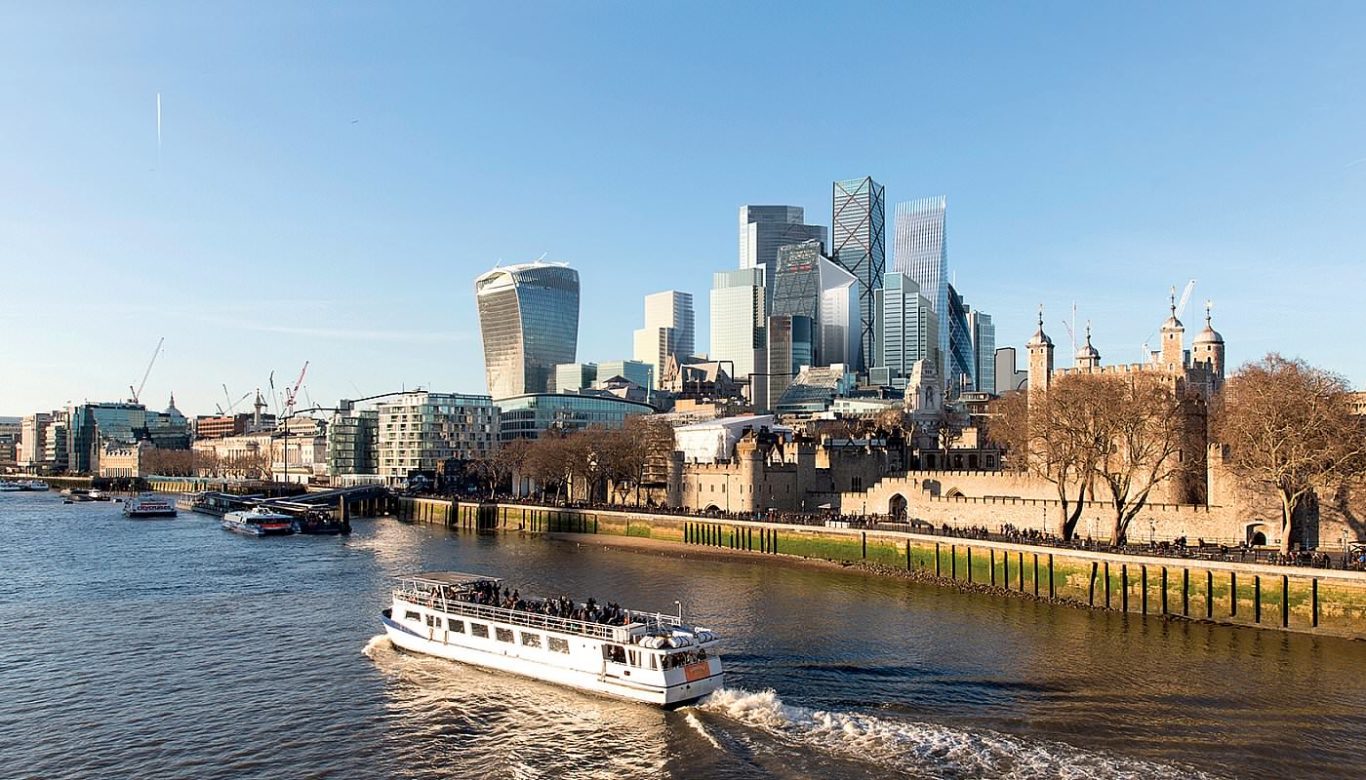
1050, 575
1107, 584
1091, 592
1164, 590
1036, 574
1285, 601
1124, 585
991, 559
1233, 593
1257, 598
936, 559
969, 564
865, 545
953, 561
1185, 592
1144, 603
908, 555
1209, 594
1019, 569
1314, 602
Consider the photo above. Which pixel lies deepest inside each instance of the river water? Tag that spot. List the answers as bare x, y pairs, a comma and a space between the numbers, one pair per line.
172, 648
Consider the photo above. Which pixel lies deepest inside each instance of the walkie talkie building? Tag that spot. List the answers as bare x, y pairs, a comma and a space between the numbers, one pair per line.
529, 320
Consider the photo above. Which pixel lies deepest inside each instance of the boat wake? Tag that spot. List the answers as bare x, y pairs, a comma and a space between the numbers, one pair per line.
377, 644
701, 729
924, 749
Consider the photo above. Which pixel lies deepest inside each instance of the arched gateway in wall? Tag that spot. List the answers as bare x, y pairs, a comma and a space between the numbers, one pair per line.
896, 507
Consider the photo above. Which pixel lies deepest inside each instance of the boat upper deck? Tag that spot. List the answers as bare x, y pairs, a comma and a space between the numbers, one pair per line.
473, 595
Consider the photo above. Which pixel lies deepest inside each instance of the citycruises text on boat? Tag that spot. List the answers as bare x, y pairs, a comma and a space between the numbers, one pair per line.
643, 656
259, 521
148, 505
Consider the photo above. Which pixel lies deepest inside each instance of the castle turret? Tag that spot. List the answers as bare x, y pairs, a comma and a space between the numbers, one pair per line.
1173, 340
1208, 348
1088, 357
1040, 358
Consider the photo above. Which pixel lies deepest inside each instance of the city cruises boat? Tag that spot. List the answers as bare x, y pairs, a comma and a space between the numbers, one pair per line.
641, 656
34, 485
148, 505
10, 487
259, 521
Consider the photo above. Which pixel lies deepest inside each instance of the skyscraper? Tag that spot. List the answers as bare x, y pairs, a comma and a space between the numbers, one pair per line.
737, 325
961, 363
983, 350
763, 229
859, 246
909, 328
807, 283
921, 252
529, 319
669, 330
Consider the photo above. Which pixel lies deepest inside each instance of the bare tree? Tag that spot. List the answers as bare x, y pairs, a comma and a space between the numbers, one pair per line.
1057, 435
1290, 430
1144, 420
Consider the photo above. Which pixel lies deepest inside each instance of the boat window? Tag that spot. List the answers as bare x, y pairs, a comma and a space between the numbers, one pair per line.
558, 645
531, 640
458, 626
614, 653
634, 655
480, 630
504, 634
654, 661
411, 615
433, 621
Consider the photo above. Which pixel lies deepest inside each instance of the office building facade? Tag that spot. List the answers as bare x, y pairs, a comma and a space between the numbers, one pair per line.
908, 329
737, 325
528, 416
858, 244
920, 250
529, 321
808, 284
353, 441
983, 350
961, 362
669, 330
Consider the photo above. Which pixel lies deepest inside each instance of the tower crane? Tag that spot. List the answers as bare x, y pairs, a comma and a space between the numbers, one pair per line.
292, 393
138, 392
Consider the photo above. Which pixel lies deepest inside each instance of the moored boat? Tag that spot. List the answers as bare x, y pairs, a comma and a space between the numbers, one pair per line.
148, 505
259, 521
642, 656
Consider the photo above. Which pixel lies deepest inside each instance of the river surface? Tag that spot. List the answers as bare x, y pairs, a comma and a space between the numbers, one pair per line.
173, 649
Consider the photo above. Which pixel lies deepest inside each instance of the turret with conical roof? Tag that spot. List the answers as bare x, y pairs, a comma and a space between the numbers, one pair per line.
1208, 347
1088, 356
1173, 340
1040, 358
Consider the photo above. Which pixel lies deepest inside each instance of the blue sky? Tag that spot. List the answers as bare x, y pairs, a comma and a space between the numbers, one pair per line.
332, 177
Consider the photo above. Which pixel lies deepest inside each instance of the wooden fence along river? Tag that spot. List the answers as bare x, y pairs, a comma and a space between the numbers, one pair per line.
1307, 600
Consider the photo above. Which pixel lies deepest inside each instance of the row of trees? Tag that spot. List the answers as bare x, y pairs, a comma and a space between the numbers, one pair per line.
192, 463
1100, 437
1289, 430
615, 463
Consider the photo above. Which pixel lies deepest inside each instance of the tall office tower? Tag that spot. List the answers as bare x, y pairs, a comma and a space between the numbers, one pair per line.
983, 333
763, 229
908, 332
737, 326
668, 331
807, 283
962, 365
919, 249
529, 319
858, 214
791, 342
571, 377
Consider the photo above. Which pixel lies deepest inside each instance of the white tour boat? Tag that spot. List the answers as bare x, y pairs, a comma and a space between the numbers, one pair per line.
259, 521
643, 656
148, 505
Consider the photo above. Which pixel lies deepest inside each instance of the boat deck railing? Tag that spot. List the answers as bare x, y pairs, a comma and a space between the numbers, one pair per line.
521, 617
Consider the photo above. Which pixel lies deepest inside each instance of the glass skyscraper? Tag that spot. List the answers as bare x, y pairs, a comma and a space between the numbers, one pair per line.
909, 329
983, 349
529, 319
858, 216
737, 320
668, 331
806, 283
921, 252
763, 229
961, 362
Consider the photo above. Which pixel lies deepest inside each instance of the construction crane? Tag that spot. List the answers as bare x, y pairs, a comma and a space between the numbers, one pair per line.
292, 393
138, 392
232, 405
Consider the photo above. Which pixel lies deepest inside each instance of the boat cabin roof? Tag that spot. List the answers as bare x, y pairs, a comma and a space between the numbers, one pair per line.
450, 578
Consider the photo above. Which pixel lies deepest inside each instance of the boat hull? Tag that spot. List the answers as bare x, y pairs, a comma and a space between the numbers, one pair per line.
406, 638
256, 530
149, 514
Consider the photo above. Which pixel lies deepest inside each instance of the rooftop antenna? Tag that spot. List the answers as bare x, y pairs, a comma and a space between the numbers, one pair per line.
542, 257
